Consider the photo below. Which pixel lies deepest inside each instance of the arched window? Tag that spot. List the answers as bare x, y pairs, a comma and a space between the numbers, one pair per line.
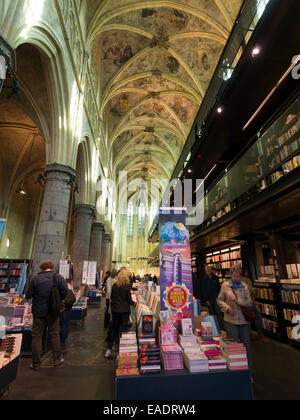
130, 220
153, 212
141, 219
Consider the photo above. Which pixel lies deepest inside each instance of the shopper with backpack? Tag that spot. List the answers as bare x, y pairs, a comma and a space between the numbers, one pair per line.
65, 316
47, 291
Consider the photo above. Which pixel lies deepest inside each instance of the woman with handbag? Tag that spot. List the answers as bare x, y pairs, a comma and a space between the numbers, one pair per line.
121, 302
236, 303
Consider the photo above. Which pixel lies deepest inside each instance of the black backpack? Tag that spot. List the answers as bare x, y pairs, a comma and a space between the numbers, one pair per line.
56, 305
70, 299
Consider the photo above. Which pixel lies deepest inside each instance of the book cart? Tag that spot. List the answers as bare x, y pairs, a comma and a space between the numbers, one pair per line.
182, 385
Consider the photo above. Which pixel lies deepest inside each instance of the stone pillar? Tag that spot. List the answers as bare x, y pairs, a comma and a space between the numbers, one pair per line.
54, 215
105, 264
85, 215
97, 243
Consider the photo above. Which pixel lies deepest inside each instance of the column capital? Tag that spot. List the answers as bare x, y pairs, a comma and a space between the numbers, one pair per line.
57, 167
99, 226
85, 209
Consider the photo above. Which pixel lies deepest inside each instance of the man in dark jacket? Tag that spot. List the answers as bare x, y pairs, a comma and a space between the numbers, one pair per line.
40, 291
211, 288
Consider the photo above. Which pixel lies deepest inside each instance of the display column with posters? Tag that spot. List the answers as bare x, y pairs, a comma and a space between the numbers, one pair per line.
176, 283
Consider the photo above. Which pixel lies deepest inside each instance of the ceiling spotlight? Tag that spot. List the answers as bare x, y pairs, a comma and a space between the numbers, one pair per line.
220, 110
20, 190
255, 51
189, 171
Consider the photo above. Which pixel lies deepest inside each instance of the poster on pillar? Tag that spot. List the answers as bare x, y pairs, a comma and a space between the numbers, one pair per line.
92, 270
85, 272
176, 285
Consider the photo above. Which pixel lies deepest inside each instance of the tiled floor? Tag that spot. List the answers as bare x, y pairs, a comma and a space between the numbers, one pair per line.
86, 375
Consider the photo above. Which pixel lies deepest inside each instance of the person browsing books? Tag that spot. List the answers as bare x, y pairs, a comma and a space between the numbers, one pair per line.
121, 302
235, 295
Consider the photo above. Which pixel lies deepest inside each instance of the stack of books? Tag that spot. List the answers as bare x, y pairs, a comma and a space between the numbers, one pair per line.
149, 351
195, 361
128, 355
150, 359
216, 360
235, 354
188, 343
167, 335
172, 357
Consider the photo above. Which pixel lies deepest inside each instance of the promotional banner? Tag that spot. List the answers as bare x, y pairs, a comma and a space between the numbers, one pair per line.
64, 269
175, 266
92, 270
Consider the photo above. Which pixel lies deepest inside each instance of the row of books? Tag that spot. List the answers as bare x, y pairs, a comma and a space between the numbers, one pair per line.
268, 270
289, 331
4, 266
289, 149
270, 325
289, 314
226, 264
266, 309
293, 271
291, 296
263, 293
233, 255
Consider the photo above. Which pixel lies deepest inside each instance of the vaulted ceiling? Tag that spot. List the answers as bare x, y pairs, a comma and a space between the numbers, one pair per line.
155, 61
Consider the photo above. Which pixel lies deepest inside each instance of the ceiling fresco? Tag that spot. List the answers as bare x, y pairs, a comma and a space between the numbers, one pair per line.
155, 62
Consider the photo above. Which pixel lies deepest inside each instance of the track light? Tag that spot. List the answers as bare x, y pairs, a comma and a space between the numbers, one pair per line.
255, 51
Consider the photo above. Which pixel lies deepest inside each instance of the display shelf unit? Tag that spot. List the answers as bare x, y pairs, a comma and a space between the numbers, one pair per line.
284, 305
10, 273
224, 259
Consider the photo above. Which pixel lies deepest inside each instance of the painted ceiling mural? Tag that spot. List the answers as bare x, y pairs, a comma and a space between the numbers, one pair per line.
155, 61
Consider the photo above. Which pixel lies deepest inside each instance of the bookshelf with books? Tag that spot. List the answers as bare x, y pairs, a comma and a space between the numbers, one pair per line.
224, 259
10, 274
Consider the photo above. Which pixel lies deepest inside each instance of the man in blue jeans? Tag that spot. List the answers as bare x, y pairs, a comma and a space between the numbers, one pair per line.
211, 288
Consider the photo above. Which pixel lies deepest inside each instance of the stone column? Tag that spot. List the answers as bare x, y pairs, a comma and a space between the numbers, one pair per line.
85, 215
54, 215
97, 243
105, 255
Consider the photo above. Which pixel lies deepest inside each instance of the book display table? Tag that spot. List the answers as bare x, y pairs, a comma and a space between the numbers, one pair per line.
94, 300
78, 314
8, 374
182, 385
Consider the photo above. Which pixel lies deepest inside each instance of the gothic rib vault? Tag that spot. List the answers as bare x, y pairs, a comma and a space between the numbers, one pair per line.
155, 60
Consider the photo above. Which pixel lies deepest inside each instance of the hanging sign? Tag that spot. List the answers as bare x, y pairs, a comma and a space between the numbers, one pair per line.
175, 266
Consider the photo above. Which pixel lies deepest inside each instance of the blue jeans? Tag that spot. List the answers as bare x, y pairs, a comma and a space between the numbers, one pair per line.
64, 320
